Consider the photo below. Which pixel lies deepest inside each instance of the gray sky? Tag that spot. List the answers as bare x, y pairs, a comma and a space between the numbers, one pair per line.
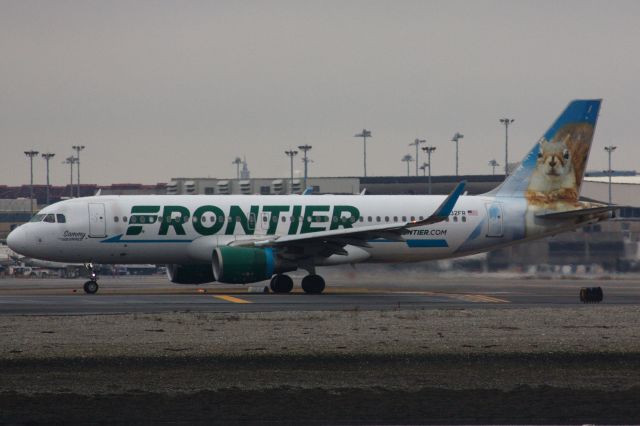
161, 89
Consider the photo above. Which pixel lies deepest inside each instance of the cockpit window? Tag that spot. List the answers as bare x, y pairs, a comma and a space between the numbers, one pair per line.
37, 218
61, 218
50, 218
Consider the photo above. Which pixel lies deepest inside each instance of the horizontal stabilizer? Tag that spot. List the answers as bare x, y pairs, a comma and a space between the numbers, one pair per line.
577, 213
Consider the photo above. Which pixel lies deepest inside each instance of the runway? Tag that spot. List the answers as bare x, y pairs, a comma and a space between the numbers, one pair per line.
155, 294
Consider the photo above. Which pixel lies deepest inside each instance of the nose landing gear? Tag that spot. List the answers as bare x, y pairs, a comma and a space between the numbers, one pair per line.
91, 286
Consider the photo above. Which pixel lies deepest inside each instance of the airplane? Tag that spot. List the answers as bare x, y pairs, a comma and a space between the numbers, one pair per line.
241, 239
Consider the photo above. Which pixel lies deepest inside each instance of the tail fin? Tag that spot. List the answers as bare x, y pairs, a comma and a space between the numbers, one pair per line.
554, 168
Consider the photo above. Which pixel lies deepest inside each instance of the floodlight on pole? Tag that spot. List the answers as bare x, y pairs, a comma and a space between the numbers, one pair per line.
609, 150
456, 138
237, 161
47, 156
291, 153
417, 144
305, 148
364, 135
78, 148
31, 154
70, 161
429, 150
407, 159
506, 122
493, 163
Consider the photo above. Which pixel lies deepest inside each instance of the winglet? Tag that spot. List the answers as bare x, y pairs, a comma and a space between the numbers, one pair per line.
444, 210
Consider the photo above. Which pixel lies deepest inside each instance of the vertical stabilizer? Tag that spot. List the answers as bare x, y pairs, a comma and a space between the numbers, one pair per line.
553, 170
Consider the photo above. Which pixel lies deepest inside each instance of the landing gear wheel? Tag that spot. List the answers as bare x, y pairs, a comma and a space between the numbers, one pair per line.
281, 284
313, 284
91, 287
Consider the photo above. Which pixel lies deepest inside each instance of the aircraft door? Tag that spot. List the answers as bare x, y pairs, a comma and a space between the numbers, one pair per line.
97, 220
494, 215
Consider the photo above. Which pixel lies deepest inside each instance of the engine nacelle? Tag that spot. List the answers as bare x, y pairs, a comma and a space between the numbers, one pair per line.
190, 274
241, 265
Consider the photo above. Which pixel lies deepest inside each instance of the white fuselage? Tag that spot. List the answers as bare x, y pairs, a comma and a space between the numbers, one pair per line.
186, 229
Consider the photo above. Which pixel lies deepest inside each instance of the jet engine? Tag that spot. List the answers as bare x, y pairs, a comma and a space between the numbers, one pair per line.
190, 274
241, 265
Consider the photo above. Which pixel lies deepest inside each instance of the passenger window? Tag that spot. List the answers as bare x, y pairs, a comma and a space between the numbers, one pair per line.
464, 218
370, 219
377, 218
421, 217
386, 218
395, 218
413, 218
361, 219
115, 219
124, 219
284, 219
404, 218
61, 218
455, 218
50, 218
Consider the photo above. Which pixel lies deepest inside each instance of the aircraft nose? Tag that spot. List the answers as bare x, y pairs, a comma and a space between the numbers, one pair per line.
17, 240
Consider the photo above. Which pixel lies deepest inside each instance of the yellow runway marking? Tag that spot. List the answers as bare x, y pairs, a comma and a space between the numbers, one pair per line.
232, 299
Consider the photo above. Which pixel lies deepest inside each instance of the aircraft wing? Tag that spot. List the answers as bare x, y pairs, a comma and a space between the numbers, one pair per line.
331, 242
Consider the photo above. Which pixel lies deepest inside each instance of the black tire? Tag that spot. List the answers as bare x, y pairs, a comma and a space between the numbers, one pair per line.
313, 284
281, 284
91, 287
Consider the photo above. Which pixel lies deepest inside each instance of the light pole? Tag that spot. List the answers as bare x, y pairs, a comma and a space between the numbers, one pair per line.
429, 150
506, 122
47, 156
31, 154
70, 161
305, 148
424, 169
237, 161
291, 153
407, 159
493, 163
417, 143
364, 135
78, 148
456, 138
609, 150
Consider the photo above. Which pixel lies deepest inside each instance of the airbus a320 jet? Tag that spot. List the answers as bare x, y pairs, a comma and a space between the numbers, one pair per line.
243, 239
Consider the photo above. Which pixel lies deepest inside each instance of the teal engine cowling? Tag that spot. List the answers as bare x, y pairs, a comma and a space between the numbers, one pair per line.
241, 265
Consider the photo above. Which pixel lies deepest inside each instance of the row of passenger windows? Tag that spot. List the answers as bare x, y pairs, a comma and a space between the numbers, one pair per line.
274, 219
49, 218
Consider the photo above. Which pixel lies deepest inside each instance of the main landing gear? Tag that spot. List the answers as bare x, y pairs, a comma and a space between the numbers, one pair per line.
91, 286
311, 284
281, 283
